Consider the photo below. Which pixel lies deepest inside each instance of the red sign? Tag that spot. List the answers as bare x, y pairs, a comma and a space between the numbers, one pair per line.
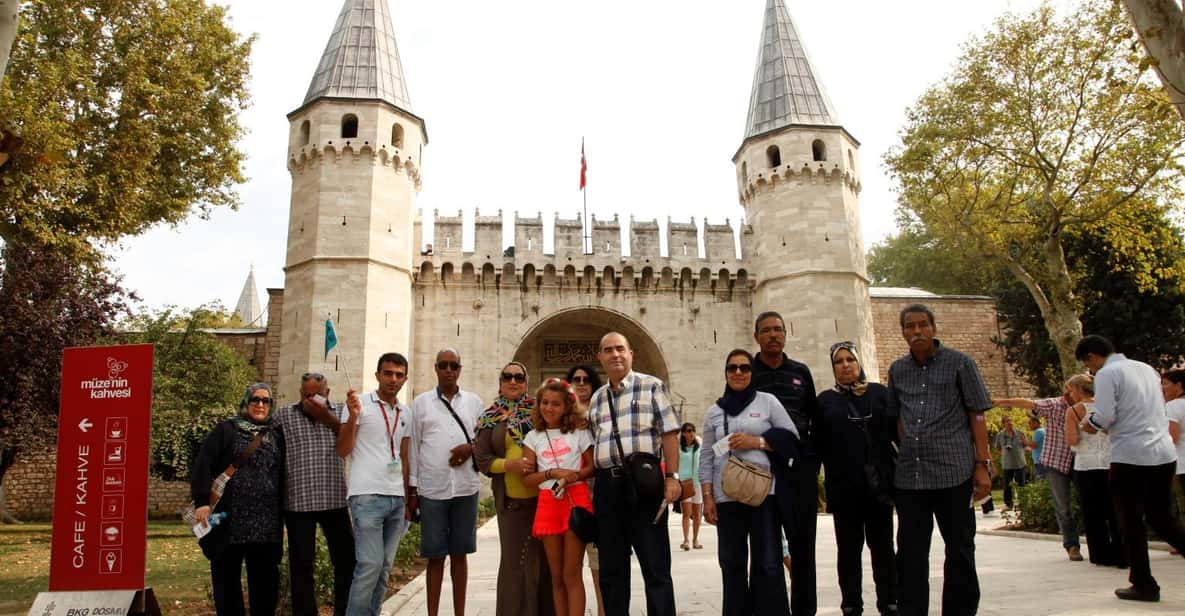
100, 504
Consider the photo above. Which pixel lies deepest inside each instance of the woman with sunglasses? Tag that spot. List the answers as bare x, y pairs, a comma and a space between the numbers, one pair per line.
854, 431
753, 583
689, 454
585, 380
524, 585
249, 508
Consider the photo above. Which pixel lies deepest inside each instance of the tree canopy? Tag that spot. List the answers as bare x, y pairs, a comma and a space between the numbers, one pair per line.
129, 114
1047, 123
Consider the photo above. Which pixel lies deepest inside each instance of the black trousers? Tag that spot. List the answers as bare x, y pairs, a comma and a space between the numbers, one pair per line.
804, 599
870, 522
1104, 538
302, 556
917, 511
263, 578
751, 559
1013, 474
623, 526
1145, 493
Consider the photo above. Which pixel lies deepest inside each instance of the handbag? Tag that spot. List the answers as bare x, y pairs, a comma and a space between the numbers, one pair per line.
643, 469
878, 471
218, 486
744, 481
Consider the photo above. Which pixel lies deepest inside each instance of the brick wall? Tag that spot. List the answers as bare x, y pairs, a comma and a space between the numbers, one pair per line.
271, 347
965, 323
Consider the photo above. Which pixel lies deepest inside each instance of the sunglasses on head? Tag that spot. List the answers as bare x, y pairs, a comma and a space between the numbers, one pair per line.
448, 365
258, 400
517, 377
581, 380
742, 368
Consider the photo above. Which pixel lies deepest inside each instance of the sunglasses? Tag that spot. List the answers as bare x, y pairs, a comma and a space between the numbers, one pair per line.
258, 400
517, 377
742, 368
448, 365
581, 380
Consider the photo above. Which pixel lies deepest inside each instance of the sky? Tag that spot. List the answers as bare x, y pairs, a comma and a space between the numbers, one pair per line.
659, 92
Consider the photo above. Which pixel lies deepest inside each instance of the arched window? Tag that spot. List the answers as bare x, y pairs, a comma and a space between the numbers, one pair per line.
349, 126
397, 136
818, 150
304, 132
775, 156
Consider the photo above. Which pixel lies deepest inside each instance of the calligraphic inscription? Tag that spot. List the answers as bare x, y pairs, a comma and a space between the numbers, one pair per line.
569, 352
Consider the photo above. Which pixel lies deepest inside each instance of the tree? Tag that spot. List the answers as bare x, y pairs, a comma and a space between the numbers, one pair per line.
197, 381
1046, 124
1161, 27
129, 114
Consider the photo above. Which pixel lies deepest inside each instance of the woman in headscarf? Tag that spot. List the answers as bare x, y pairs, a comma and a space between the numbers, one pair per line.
249, 509
753, 583
524, 585
854, 436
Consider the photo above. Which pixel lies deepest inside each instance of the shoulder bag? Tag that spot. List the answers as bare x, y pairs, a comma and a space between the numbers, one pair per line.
217, 487
743, 481
644, 470
472, 458
878, 469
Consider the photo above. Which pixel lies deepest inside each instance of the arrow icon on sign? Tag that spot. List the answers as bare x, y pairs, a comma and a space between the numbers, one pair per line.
85, 424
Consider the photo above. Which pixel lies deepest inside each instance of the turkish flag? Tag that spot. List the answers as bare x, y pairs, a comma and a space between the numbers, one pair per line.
583, 167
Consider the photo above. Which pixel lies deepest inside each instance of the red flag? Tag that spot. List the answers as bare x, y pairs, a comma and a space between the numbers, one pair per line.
583, 166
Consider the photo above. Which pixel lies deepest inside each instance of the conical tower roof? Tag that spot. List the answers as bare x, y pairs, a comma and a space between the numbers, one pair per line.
249, 309
361, 60
786, 88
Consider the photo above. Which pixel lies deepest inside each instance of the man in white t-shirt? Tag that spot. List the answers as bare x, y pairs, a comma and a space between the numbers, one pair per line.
1172, 384
443, 481
372, 440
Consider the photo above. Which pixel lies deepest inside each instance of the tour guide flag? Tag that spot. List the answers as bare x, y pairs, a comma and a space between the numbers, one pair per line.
330, 337
583, 166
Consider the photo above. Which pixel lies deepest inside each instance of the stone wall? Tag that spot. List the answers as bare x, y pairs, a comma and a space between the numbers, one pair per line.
966, 323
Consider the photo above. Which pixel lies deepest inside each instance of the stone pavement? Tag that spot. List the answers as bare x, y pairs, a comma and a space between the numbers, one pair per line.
1019, 576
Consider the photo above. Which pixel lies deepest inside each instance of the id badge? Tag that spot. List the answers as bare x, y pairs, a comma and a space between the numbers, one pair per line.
393, 466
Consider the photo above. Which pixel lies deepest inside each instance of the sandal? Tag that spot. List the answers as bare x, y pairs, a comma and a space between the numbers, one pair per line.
697, 546
683, 546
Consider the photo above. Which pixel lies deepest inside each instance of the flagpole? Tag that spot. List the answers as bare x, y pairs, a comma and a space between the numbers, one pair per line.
329, 319
586, 244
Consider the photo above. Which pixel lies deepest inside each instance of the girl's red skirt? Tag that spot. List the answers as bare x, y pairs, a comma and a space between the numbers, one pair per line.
551, 515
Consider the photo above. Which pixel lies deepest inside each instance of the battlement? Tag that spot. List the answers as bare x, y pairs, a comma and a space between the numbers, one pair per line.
307, 157
758, 181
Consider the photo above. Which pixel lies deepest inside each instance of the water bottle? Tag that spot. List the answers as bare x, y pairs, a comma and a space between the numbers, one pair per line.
217, 518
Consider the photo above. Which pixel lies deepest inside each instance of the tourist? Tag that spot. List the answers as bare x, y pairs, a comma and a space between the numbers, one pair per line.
939, 399
585, 380
1092, 463
1130, 407
855, 434
1011, 444
1056, 462
315, 494
1036, 443
443, 482
633, 414
753, 583
524, 586
560, 447
374, 438
1172, 384
796, 465
692, 507
251, 500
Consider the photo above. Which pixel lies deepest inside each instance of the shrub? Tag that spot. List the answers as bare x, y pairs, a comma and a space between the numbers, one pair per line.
1036, 507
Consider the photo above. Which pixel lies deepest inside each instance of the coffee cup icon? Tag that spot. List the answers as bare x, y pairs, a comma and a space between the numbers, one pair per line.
116, 432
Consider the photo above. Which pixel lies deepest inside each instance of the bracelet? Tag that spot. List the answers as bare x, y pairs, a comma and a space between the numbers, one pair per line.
547, 474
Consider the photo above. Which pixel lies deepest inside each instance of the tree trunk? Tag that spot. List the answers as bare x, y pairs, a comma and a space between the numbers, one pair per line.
7, 459
1061, 320
8, 15
1161, 27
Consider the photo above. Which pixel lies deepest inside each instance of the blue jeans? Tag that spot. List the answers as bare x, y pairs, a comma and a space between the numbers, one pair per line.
1059, 487
378, 527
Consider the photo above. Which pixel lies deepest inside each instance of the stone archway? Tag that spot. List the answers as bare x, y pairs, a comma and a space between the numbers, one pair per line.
570, 337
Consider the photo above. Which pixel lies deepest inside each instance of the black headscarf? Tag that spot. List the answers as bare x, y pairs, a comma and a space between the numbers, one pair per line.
735, 400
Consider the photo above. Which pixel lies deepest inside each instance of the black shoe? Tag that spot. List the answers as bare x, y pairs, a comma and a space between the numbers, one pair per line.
1132, 593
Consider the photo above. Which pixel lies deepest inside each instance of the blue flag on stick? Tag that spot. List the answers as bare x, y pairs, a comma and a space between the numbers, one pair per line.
330, 337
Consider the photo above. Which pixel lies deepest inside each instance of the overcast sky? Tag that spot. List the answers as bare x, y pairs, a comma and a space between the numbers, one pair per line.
659, 91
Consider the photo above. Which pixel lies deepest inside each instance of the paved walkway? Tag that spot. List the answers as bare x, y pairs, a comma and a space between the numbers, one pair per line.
1019, 576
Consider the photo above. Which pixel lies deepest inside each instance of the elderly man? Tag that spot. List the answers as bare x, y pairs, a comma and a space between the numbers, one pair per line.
632, 414
939, 399
1129, 405
443, 481
315, 493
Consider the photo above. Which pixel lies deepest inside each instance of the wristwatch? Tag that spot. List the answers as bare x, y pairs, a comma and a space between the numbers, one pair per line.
674, 476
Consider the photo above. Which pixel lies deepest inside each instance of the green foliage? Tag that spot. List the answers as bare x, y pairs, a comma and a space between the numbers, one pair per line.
198, 381
129, 114
1047, 124
1036, 507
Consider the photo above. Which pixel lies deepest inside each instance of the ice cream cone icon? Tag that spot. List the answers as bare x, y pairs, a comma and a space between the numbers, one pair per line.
110, 561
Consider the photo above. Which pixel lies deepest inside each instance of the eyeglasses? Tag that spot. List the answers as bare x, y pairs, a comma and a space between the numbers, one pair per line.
581, 380
742, 368
448, 365
258, 400
517, 377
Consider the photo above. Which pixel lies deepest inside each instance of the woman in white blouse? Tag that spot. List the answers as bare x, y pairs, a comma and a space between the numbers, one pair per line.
1092, 461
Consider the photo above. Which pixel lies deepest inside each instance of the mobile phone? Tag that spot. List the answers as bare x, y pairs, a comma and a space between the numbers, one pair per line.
557, 490
322, 400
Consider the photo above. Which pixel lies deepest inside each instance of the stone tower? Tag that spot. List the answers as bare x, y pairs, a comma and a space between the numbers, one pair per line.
798, 178
354, 151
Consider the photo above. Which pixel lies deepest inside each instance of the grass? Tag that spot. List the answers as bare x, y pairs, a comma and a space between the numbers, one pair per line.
175, 567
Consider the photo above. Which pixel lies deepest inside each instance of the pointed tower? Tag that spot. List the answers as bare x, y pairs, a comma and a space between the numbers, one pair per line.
799, 183
249, 309
354, 151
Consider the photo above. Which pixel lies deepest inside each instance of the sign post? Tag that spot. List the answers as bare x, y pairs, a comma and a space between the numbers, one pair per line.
100, 512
